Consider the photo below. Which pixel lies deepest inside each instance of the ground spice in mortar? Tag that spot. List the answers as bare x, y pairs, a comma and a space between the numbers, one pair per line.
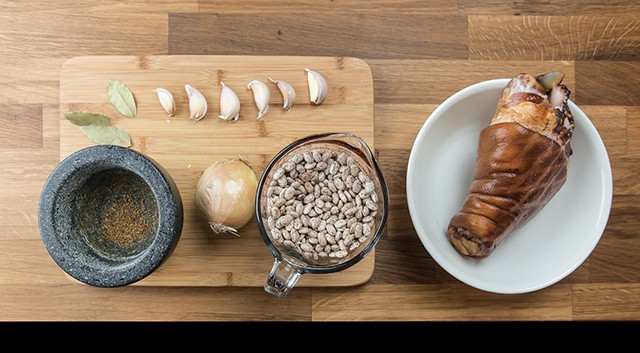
124, 222
118, 214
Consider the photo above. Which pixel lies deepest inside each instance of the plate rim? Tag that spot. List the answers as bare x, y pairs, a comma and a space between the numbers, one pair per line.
604, 164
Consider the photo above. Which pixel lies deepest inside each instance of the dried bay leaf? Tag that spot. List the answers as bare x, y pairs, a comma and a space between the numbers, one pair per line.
87, 118
122, 98
107, 135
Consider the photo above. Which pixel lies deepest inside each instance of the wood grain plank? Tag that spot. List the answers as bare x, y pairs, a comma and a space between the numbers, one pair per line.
397, 125
20, 211
606, 301
34, 46
399, 225
404, 81
25, 260
611, 123
438, 302
74, 302
104, 6
582, 274
625, 167
403, 261
544, 7
622, 219
624, 162
400, 256
601, 37
615, 258
625, 175
44, 35
24, 173
51, 128
608, 82
633, 131
27, 80
20, 185
20, 126
316, 6
393, 163
332, 34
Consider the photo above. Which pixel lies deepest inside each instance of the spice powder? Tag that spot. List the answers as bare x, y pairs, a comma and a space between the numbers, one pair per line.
118, 215
125, 223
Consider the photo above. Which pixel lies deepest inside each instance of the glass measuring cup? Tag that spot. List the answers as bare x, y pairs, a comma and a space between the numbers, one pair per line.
290, 262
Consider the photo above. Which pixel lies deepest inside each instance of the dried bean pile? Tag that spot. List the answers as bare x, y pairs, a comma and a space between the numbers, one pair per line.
321, 204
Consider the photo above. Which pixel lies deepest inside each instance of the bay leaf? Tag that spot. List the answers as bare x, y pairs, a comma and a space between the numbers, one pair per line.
107, 135
122, 98
87, 118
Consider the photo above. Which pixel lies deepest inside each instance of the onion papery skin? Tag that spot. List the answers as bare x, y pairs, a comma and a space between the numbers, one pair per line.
225, 195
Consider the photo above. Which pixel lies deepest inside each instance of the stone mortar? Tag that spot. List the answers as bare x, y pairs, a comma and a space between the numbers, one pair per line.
75, 205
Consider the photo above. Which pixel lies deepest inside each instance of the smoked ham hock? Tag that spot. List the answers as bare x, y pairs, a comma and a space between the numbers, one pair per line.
522, 162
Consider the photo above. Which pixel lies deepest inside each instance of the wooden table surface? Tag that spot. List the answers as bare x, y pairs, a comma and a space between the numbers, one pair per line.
420, 52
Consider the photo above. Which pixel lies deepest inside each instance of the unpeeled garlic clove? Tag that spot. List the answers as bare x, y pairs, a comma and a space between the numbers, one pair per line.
229, 104
317, 86
261, 96
197, 103
288, 93
550, 79
166, 100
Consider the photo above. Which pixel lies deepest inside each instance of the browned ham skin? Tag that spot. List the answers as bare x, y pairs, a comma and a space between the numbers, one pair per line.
522, 162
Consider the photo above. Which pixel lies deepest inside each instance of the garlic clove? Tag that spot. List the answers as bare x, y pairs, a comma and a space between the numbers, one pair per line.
197, 103
167, 101
261, 96
288, 93
229, 104
317, 86
550, 79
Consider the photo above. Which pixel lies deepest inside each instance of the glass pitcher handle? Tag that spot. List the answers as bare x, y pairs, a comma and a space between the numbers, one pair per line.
282, 278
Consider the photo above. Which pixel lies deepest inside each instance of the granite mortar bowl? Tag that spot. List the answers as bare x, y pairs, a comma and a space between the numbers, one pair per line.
109, 216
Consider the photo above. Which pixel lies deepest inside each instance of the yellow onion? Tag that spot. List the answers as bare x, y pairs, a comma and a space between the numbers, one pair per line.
225, 195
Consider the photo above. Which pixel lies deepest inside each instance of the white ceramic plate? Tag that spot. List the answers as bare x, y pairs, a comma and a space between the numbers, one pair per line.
547, 249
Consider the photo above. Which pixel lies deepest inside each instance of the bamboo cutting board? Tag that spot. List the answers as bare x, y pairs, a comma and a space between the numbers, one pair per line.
186, 148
